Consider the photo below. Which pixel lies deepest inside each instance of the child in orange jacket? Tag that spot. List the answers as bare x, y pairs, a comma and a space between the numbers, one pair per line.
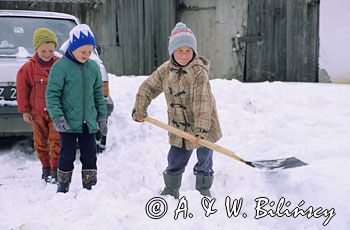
31, 86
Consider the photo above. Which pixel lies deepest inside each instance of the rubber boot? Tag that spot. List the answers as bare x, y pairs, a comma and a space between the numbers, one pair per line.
45, 176
64, 179
203, 184
172, 185
89, 178
54, 176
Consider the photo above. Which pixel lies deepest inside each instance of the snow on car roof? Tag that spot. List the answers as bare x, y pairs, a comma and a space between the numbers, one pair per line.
44, 14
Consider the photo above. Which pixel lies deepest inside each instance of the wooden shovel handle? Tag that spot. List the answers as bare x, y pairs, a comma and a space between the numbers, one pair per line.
191, 137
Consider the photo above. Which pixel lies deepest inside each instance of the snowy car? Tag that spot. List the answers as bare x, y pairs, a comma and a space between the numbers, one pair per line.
17, 28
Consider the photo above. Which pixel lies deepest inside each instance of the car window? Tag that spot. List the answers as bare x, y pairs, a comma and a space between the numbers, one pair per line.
17, 32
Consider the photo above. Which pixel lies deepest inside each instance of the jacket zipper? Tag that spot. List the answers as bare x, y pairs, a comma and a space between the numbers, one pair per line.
84, 99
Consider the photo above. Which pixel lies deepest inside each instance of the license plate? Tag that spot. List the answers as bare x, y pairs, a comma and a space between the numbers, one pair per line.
8, 93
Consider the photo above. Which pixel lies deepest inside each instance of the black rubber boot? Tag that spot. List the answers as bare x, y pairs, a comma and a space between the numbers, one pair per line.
203, 184
45, 176
64, 179
54, 176
172, 185
89, 178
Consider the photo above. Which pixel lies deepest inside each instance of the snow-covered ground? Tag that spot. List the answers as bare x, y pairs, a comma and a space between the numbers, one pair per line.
259, 121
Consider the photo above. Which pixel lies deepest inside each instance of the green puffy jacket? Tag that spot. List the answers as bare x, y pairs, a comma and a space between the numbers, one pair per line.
75, 91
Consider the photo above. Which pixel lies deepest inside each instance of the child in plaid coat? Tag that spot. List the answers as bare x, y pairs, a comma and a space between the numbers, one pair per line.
184, 79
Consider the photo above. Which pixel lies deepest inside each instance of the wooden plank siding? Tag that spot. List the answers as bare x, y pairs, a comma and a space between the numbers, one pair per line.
215, 24
143, 27
288, 48
302, 40
132, 34
266, 54
247, 40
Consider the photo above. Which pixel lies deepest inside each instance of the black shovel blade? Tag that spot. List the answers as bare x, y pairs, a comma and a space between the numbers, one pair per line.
284, 163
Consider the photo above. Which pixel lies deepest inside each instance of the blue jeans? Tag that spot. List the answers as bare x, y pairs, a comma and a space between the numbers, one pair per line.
179, 157
87, 146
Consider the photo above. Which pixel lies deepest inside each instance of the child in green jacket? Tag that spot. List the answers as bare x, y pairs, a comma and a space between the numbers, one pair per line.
75, 101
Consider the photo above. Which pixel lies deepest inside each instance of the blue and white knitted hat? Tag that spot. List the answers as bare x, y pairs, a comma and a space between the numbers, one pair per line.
80, 35
181, 35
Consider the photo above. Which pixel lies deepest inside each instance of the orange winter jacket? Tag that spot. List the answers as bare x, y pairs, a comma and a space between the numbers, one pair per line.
31, 86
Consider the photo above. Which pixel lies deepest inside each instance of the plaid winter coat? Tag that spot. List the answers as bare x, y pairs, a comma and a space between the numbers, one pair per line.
191, 104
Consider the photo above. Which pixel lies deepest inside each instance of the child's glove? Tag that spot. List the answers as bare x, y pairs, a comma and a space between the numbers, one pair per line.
61, 125
137, 117
102, 125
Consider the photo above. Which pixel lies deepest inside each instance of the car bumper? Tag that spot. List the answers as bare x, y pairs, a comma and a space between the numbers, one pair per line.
12, 124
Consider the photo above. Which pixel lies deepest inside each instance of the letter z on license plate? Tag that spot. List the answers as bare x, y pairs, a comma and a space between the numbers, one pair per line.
8, 93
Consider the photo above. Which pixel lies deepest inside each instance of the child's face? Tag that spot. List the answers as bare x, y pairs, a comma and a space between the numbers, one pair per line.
83, 53
183, 55
46, 51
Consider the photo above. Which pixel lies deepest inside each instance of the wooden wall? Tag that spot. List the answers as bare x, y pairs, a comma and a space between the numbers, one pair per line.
132, 34
138, 43
282, 40
248, 40
215, 24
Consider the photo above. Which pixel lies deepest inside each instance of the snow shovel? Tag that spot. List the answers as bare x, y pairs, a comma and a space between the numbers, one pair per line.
284, 163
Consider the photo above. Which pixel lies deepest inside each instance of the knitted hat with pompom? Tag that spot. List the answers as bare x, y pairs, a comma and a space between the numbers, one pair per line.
181, 35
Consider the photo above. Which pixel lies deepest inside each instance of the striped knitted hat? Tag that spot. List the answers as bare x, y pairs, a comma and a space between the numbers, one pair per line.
43, 35
181, 35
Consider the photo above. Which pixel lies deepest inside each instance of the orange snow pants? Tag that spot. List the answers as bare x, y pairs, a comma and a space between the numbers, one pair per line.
46, 141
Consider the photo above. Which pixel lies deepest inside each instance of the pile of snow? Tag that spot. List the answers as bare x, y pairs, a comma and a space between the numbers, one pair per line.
258, 120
